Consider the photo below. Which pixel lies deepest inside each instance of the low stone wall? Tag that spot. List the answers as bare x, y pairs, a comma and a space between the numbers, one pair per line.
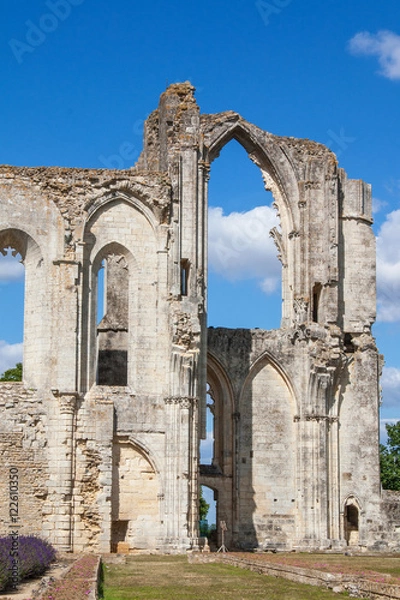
357, 586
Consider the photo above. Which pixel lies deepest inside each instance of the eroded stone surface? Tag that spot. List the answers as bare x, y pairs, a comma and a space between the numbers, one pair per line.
105, 429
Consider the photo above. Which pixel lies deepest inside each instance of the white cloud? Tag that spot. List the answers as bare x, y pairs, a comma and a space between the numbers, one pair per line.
385, 45
388, 268
378, 205
390, 382
240, 247
10, 269
207, 449
10, 354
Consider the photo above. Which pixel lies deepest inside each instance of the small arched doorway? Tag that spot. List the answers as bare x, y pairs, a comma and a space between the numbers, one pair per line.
351, 522
135, 499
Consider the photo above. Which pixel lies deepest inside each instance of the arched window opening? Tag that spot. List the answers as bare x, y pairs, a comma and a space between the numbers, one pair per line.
316, 296
112, 330
185, 265
12, 288
208, 514
31, 301
207, 446
101, 299
243, 261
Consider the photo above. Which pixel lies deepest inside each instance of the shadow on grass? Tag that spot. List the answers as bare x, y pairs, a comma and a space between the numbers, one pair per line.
100, 581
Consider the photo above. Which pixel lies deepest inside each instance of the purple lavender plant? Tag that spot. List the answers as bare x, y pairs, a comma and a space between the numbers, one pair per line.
33, 554
5, 562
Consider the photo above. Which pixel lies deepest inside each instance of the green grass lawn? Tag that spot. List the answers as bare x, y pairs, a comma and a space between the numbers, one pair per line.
173, 578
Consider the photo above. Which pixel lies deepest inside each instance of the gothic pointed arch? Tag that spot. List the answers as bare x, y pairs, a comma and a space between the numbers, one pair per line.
111, 238
120, 194
277, 169
136, 498
220, 474
267, 455
221, 392
281, 178
268, 358
352, 511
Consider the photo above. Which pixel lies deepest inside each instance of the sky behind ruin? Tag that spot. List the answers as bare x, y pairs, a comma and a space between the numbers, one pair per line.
79, 77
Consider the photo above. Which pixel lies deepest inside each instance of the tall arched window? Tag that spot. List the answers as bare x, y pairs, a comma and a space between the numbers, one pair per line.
31, 300
112, 330
12, 283
243, 261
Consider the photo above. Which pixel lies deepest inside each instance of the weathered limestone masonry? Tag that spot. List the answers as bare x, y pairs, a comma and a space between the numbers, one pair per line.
105, 429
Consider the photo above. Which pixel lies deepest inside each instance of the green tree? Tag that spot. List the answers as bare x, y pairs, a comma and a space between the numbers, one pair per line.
14, 374
390, 458
203, 507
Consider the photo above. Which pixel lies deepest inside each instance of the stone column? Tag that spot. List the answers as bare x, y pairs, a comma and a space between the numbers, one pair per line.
236, 479
191, 407
181, 511
202, 278
334, 482
65, 465
104, 415
65, 323
314, 463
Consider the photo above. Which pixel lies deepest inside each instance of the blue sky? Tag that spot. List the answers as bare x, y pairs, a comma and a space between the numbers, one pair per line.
80, 76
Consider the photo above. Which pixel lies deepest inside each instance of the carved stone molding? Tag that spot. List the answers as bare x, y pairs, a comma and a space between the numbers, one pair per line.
300, 307
314, 417
205, 166
183, 401
117, 259
68, 401
278, 241
312, 185
183, 331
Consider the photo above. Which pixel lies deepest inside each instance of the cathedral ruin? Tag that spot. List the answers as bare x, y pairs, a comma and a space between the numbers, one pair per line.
104, 431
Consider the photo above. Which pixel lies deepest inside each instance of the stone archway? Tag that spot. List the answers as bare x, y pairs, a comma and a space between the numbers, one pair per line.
220, 474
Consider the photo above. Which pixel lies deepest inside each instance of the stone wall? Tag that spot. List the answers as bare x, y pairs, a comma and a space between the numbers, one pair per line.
107, 423
23, 452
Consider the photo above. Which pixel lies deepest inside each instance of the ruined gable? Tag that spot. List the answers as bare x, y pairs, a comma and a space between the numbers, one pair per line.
105, 428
